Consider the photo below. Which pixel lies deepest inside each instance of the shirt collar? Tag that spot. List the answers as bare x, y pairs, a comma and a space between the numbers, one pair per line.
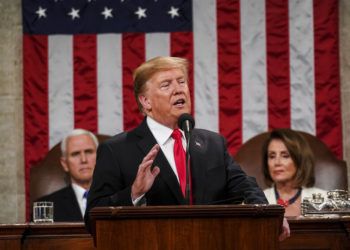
78, 190
160, 132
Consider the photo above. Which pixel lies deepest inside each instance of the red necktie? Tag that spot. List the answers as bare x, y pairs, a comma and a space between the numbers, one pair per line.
180, 159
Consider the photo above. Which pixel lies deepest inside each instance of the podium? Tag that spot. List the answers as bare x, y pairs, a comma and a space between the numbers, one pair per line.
187, 227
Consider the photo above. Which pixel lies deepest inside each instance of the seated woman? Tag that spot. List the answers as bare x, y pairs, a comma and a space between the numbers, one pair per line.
288, 164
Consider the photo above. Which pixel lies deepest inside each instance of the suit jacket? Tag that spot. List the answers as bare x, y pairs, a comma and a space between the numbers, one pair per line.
216, 178
65, 207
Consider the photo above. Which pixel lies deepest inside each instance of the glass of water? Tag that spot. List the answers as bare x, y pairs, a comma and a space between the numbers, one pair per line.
43, 211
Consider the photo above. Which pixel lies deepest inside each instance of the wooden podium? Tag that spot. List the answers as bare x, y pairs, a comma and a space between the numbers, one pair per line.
187, 227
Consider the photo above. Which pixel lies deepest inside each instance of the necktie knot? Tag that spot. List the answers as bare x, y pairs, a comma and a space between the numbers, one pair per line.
85, 194
176, 135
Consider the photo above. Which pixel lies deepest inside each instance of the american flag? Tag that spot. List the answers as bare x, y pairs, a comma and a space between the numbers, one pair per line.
255, 65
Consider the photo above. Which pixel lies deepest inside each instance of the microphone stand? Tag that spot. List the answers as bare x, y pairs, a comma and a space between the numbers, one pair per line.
187, 188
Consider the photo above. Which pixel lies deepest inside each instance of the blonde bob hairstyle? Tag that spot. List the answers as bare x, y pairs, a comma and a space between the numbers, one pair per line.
300, 152
146, 70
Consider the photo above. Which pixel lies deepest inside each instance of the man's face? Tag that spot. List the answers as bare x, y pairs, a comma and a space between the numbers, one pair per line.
166, 97
80, 159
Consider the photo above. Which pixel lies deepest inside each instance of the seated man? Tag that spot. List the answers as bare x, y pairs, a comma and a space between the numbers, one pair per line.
78, 160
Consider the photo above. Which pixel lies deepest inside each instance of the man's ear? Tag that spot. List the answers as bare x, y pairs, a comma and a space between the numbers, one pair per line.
145, 102
64, 164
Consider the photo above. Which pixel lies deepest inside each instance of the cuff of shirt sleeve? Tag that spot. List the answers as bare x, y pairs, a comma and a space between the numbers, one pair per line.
139, 201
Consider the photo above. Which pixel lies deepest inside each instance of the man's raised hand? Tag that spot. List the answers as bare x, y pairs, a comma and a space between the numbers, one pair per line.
145, 174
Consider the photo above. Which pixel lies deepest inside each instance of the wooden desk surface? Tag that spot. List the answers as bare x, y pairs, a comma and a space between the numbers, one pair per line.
200, 227
67, 236
11, 235
318, 233
59, 235
307, 233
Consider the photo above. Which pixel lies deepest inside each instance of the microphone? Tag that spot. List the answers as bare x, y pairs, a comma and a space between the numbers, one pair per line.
186, 123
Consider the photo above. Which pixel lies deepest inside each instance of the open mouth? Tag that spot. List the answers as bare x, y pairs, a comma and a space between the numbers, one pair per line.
179, 102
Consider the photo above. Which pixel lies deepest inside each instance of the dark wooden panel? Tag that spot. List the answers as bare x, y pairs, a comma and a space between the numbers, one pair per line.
318, 233
191, 233
65, 236
11, 235
188, 227
222, 233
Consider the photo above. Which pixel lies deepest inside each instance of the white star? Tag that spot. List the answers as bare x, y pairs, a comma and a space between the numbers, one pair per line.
74, 13
107, 13
41, 12
141, 13
173, 12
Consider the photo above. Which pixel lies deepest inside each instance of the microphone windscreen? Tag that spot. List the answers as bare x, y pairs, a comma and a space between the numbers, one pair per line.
185, 117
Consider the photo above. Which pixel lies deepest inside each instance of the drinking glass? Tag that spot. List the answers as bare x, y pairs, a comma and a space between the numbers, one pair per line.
43, 211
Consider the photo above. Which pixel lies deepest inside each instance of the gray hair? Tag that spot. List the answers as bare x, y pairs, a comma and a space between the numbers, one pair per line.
75, 132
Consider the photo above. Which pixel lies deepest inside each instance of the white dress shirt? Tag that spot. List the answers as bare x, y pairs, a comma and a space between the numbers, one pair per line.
165, 141
79, 194
162, 134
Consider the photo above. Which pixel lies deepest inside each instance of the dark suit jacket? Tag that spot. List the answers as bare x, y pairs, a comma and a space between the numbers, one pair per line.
215, 175
66, 207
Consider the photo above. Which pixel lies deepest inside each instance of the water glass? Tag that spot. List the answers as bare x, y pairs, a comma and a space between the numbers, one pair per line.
43, 211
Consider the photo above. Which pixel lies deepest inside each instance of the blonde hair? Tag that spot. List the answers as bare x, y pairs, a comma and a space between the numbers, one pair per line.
146, 70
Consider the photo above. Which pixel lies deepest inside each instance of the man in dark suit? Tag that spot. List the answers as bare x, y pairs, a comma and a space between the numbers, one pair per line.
141, 167
78, 160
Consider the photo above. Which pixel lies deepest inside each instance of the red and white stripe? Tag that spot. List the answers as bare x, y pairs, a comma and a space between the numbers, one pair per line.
255, 65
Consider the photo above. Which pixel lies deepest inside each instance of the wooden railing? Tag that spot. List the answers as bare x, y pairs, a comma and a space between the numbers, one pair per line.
306, 233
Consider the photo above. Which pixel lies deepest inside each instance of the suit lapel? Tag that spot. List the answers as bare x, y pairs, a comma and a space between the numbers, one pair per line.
74, 205
198, 149
147, 141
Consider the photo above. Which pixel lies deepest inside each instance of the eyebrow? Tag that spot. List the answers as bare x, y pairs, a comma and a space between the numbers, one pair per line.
283, 151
